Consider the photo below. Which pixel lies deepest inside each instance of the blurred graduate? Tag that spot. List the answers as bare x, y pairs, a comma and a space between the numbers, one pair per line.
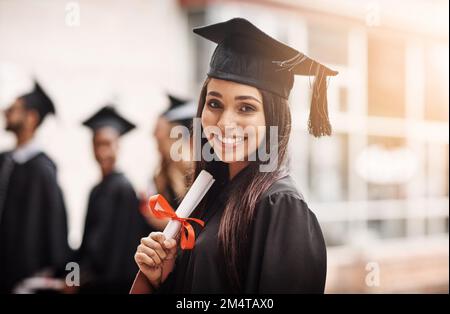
171, 176
33, 225
113, 225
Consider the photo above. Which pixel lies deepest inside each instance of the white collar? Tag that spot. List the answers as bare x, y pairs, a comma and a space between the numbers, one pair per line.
27, 151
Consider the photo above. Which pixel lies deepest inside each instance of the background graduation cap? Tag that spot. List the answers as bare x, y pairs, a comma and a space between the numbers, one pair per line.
180, 111
247, 55
108, 117
38, 100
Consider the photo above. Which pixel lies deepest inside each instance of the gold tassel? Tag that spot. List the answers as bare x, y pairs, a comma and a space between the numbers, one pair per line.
319, 123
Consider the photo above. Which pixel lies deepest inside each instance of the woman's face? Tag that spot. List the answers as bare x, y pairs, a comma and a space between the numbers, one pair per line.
233, 119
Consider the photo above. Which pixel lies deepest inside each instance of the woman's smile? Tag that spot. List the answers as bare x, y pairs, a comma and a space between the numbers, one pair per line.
229, 141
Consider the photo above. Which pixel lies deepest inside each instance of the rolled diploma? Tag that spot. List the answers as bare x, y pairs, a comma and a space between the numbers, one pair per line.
201, 185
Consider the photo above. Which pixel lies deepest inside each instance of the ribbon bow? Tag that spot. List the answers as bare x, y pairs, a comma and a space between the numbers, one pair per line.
166, 211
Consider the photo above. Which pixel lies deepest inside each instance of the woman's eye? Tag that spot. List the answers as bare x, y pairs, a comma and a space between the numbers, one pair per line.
213, 104
247, 108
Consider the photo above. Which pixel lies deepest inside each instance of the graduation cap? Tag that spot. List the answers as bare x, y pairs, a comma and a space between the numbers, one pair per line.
38, 100
247, 55
108, 117
180, 111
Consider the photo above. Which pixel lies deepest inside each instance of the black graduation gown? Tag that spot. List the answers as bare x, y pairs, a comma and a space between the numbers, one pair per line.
287, 251
33, 225
113, 229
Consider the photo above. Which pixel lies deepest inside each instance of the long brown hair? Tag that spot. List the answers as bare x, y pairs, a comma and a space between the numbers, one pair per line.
237, 217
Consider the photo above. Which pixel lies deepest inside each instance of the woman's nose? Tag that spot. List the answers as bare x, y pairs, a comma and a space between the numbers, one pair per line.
227, 120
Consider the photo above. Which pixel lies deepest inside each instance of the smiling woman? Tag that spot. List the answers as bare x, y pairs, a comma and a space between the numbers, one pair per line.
260, 236
234, 121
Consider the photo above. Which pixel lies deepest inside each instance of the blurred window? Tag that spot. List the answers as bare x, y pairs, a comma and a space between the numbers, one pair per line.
386, 76
436, 83
200, 47
328, 164
328, 43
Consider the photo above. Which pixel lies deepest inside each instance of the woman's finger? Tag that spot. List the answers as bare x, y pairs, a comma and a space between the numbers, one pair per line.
152, 253
152, 244
170, 244
171, 248
142, 258
157, 236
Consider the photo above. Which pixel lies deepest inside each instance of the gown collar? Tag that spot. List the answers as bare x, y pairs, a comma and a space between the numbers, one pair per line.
111, 174
223, 189
26, 152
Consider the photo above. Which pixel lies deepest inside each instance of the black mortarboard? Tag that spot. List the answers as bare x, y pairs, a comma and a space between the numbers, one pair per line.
175, 101
38, 100
180, 111
247, 55
108, 117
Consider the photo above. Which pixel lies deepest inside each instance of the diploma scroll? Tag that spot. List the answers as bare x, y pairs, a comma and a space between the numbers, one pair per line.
198, 190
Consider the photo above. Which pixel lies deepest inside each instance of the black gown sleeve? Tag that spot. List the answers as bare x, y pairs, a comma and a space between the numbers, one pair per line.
57, 223
288, 253
81, 255
125, 231
46, 230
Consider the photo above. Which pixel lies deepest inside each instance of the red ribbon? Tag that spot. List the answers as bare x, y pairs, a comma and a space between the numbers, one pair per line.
187, 231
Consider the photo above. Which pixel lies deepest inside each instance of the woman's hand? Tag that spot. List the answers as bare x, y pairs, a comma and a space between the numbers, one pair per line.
155, 257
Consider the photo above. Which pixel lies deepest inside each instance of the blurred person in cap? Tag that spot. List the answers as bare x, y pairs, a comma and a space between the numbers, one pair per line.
260, 236
113, 225
33, 224
171, 176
